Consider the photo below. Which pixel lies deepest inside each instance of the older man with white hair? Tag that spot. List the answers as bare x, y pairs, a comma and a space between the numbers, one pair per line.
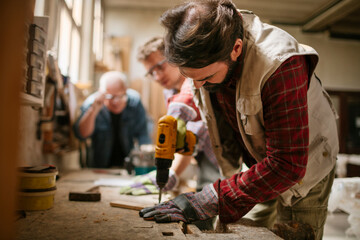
114, 118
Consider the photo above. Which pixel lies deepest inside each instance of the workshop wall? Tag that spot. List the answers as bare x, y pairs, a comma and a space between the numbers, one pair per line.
139, 25
30, 147
337, 67
52, 141
339, 59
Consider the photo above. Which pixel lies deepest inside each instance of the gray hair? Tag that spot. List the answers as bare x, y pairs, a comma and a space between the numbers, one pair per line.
111, 77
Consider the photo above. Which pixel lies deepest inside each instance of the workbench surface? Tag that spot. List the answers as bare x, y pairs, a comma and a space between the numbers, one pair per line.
98, 220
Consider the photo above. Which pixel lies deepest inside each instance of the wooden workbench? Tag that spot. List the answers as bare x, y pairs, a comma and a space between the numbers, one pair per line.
98, 220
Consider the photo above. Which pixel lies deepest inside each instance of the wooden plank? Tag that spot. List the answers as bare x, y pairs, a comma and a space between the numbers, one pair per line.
127, 205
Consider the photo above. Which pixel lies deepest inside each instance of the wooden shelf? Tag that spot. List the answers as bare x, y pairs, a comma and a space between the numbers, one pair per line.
27, 99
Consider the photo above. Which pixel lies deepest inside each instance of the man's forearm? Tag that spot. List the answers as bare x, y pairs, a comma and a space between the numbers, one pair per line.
180, 163
87, 122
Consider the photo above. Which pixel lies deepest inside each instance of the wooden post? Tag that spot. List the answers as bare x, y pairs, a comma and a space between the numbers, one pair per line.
13, 15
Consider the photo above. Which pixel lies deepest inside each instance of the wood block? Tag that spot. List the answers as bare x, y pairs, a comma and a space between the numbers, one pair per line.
85, 196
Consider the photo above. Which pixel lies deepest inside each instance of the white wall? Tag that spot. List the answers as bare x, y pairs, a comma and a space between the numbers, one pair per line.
339, 65
139, 24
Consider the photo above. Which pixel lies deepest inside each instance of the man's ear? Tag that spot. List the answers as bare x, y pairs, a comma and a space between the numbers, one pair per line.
237, 49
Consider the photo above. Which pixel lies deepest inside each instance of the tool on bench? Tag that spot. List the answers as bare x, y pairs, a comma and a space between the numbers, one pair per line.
91, 195
166, 147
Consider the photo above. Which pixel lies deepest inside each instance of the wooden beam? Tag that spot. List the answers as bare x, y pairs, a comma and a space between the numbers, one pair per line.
331, 15
13, 15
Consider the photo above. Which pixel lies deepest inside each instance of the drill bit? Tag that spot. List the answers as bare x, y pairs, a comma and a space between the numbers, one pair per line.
160, 191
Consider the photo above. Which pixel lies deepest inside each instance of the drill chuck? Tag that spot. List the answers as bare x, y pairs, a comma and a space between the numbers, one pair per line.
162, 175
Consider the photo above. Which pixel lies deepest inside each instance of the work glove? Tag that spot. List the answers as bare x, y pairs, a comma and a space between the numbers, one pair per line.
146, 184
187, 207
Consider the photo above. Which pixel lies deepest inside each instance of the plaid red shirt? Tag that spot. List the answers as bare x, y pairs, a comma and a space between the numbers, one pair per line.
284, 99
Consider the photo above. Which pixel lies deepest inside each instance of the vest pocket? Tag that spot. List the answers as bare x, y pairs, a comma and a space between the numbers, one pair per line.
250, 108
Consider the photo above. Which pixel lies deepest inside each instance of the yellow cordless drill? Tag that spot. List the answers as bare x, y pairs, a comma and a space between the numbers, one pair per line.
166, 148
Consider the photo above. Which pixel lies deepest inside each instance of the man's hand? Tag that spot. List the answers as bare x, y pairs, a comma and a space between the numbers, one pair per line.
188, 207
146, 184
87, 121
98, 102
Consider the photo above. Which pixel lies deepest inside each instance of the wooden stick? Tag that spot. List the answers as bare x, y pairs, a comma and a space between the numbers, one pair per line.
127, 205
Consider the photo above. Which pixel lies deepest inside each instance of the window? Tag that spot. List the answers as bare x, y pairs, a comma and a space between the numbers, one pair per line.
64, 42
75, 55
98, 30
70, 38
77, 12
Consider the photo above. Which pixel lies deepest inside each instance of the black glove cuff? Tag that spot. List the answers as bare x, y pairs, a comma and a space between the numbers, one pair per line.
185, 206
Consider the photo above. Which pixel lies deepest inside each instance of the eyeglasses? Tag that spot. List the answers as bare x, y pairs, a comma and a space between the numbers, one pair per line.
156, 68
116, 98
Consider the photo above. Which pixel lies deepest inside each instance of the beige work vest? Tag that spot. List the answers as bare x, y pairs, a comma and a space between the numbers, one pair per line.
266, 47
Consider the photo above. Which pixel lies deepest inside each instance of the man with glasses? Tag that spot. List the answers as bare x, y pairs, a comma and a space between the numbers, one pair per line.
114, 118
180, 105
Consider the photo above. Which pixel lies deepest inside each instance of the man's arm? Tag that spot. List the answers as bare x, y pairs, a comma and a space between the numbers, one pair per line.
141, 128
180, 163
87, 121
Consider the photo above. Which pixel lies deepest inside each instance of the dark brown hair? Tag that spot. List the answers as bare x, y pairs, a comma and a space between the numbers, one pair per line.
201, 32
